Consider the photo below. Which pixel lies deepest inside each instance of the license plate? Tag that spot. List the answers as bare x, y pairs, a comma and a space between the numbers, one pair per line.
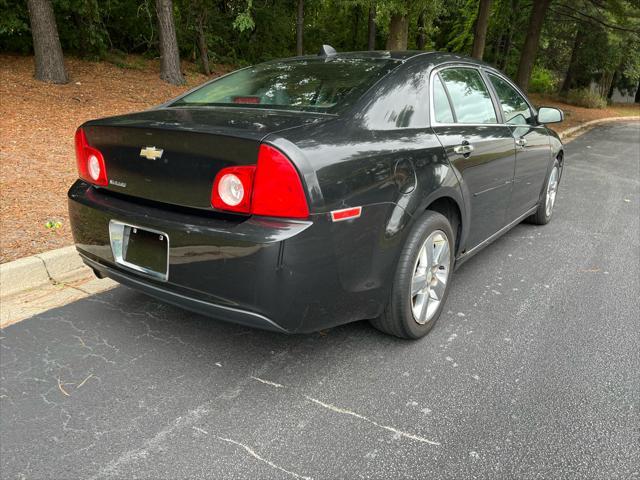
141, 249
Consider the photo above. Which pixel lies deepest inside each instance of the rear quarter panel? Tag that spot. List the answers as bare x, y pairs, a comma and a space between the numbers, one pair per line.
393, 168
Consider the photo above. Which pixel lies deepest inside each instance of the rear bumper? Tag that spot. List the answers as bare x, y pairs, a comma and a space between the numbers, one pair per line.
235, 315
281, 275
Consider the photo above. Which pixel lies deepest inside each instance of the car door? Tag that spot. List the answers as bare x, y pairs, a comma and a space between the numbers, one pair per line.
480, 147
533, 150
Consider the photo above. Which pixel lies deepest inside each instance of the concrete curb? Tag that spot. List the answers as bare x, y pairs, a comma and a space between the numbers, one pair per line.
52, 267
583, 127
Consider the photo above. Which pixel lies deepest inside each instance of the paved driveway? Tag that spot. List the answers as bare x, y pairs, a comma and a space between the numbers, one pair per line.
534, 370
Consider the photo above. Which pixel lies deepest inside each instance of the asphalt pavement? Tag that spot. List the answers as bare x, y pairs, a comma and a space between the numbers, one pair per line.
532, 372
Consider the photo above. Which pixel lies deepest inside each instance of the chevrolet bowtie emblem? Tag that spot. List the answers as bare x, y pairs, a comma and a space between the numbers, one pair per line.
152, 153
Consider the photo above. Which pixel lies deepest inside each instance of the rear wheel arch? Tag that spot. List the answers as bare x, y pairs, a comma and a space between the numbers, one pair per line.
399, 314
449, 208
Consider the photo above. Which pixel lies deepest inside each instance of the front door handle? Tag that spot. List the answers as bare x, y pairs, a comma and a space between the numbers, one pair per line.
464, 149
521, 142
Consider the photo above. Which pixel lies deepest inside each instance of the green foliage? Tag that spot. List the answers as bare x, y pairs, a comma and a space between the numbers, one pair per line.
461, 33
273, 35
15, 33
543, 80
507, 29
432, 12
249, 31
130, 26
593, 40
584, 97
122, 60
340, 24
630, 75
244, 20
53, 225
80, 27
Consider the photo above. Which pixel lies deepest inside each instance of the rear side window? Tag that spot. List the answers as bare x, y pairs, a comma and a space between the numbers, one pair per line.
312, 84
441, 105
469, 96
516, 109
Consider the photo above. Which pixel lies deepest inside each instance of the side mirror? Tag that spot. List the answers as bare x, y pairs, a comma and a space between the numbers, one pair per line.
550, 115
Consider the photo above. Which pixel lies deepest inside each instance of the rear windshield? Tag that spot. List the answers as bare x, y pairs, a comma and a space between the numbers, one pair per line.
316, 85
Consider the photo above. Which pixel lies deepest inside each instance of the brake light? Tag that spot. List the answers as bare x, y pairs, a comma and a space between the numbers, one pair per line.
246, 100
277, 190
90, 161
271, 188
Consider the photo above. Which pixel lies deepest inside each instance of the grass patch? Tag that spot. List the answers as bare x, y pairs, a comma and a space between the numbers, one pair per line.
122, 60
626, 109
584, 97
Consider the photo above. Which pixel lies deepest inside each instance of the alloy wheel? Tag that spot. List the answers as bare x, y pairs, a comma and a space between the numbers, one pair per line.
430, 276
552, 190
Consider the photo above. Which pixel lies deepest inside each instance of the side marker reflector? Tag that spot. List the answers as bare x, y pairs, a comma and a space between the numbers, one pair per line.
345, 214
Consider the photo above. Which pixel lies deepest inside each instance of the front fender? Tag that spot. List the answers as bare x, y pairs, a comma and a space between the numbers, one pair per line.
555, 143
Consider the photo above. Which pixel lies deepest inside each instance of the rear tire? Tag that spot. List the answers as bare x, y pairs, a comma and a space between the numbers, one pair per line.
547, 202
422, 280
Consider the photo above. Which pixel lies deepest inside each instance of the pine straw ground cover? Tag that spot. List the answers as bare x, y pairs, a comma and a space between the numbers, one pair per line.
37, 126
574, 116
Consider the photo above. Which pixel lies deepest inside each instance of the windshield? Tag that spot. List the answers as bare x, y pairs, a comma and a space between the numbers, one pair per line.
316, 85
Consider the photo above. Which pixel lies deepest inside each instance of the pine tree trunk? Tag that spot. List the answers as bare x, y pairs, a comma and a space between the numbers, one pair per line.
169, 55
503, 49
371, 44
573, 62
532, 40
46, 43
506, 40
614, 81
202, 45
480, 34
421, 40
606, 79
398, 32
299, 27
355, 13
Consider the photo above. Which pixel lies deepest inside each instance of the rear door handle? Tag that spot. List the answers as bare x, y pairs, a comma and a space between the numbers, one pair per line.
464, 149
521, 142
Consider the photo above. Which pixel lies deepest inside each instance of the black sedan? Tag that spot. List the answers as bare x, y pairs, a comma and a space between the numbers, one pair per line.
305, 193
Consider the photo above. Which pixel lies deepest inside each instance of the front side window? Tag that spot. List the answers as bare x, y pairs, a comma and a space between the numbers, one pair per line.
469, 96
317, 85
516, 109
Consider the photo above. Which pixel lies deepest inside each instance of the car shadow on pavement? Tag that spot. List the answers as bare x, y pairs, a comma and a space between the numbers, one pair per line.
138, 323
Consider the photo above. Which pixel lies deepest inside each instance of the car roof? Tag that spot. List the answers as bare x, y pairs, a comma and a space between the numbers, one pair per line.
430, 57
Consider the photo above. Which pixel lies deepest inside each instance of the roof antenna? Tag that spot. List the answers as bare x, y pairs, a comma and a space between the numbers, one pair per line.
327, 51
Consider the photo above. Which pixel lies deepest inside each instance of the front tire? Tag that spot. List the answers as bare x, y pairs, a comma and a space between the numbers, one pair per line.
422, 280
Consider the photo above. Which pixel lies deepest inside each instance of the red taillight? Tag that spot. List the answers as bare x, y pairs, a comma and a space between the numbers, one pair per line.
90, 161
277, 189
272, 188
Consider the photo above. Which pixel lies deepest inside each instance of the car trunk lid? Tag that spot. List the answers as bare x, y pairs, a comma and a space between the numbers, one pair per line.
172, 155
